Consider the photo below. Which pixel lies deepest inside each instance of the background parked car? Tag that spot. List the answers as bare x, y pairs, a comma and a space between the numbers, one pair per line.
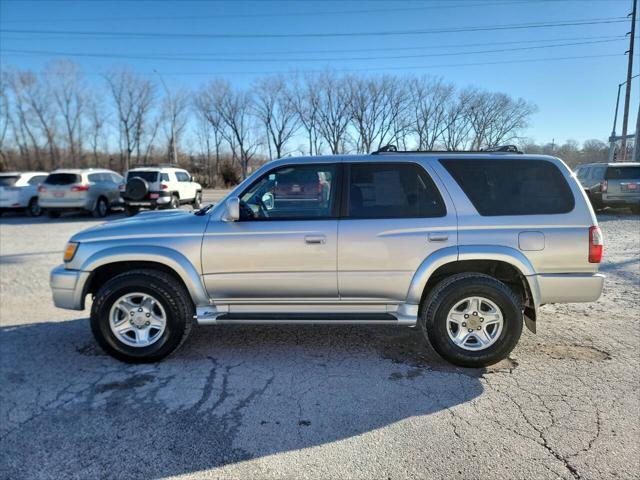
19, 191
611, 184
92, 190
591, 176
159, 187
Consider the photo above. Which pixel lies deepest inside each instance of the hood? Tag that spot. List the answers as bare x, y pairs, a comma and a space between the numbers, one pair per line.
147, 224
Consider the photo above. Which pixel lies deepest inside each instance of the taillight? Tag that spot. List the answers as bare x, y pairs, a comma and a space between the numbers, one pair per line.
596, 245
42, 189
164, 186
122, 187
603, 186
80, 188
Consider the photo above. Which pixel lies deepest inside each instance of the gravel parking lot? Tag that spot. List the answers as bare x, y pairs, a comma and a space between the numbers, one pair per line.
315, 402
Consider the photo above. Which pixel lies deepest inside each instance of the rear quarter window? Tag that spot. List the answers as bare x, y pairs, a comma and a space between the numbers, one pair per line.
623, 173
8, 180
62, 179
512, 187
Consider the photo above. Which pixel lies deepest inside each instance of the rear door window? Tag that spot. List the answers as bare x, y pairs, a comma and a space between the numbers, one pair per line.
62, 179
623, 173
38, 179
392, 190
95, 177
183, 177
512, 187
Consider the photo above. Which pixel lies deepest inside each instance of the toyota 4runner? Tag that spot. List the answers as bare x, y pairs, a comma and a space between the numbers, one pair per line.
159, 187
465, 246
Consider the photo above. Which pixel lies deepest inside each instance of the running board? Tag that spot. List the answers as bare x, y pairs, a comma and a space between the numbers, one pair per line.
210, 316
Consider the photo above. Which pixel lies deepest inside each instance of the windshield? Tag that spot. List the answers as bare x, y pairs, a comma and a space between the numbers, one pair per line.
148, 176
623, 173
62, 179
8, 180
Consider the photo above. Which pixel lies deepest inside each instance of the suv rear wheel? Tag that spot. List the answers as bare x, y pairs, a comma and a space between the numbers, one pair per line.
101, 208
34, 209
141, 316
175, 202
472, 319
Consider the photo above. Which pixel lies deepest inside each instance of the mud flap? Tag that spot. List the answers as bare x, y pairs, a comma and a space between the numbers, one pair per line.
530, 319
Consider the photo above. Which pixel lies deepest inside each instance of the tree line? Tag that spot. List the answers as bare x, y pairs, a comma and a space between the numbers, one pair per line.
56, 118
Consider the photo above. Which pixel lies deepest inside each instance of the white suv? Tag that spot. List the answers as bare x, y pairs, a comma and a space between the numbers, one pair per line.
159, 187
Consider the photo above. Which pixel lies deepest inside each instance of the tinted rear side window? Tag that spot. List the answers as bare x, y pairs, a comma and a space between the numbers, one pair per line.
623, 173
62, 179
8, 180
512, 187
392, 190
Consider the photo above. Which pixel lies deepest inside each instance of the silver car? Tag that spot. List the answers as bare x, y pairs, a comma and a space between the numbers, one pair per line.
19, 192
465, 246
91, 190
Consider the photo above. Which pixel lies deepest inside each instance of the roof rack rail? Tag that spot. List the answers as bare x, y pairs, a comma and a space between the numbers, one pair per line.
496, 149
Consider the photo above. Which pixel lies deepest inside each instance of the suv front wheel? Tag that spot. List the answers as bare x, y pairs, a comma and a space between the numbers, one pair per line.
472, 319
141, 316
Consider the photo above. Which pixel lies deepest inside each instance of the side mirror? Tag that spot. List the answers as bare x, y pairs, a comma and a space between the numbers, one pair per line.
232, 210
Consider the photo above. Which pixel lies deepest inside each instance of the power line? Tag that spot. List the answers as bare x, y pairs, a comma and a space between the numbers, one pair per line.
562, 23
271, 60
272, 15
388, 49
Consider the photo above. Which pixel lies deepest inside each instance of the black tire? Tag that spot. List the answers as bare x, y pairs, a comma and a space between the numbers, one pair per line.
175, 202
34, 209
452, 290
101, 208
53, 214
197, 201
130, 211
167, 290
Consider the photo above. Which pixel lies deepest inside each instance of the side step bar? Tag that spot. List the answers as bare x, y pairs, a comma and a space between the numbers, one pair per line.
405, 315
312, 318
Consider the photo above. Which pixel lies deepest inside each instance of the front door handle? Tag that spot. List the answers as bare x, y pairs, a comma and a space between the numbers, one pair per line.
315, 239
438, 237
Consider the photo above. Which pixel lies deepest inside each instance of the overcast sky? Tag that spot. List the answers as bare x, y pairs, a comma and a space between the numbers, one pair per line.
189, 42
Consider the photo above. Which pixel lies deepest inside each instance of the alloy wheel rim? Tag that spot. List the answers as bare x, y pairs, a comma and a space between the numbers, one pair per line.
137, 319
475, 323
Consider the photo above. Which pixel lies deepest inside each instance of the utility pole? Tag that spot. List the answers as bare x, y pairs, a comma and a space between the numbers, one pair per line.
173, 118
627, 97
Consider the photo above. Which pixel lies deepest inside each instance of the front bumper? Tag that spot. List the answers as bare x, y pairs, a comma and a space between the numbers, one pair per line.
68, 287
570, 288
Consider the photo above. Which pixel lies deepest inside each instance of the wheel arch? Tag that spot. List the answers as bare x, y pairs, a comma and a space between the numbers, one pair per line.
504, 263
107, 263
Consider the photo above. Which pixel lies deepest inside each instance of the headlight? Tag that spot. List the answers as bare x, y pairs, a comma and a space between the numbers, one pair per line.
70, 251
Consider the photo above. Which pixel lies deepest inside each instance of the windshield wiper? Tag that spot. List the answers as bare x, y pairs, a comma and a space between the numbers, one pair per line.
204, 209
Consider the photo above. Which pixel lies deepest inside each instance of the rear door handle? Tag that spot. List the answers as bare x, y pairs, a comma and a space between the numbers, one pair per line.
315, 239
438, 237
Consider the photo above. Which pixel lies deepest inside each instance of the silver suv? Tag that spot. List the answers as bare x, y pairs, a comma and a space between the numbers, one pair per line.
466, 246
91, 190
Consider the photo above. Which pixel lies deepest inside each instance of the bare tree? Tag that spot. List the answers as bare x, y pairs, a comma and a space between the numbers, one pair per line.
175, 108
207, 103
132, 97
429, 99
66, 85
305, 100
96, 118
333, 110
275, 109
458, 126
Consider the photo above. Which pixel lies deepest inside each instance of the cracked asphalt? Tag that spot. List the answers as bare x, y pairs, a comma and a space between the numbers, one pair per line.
315, 402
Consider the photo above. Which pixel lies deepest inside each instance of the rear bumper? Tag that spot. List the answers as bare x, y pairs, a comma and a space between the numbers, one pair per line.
163, 199
570, 288
68, 287
621, 200
63, 204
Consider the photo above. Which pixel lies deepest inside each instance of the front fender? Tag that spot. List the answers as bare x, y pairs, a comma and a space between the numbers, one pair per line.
144, 253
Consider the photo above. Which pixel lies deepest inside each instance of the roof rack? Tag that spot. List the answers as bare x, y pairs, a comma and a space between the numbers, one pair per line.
496, 149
